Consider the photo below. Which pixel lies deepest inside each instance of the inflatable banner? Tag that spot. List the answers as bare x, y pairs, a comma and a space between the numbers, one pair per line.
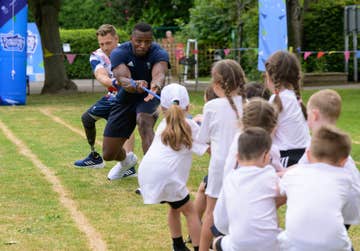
13, 32
35, 61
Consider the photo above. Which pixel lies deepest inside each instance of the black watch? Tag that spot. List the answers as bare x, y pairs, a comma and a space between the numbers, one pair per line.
158, 85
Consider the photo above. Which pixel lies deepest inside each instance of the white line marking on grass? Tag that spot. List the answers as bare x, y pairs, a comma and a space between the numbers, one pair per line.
94, 238
355, 142
62, 122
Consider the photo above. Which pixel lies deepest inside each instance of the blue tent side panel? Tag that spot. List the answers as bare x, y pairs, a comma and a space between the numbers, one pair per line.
13, 35
272, 29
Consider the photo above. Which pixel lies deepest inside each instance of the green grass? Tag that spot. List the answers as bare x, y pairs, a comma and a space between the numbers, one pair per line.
32, 218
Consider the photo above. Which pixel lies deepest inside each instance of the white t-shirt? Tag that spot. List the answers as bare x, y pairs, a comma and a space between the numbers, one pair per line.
230, 162
163, 172
316, 194
218, 128
292, 131
245, 210
351, 210
98, 59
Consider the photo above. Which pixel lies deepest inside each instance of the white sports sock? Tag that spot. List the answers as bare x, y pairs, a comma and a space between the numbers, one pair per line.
126, 160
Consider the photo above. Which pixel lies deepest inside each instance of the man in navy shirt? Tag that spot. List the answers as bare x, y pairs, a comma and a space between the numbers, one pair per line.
146, 63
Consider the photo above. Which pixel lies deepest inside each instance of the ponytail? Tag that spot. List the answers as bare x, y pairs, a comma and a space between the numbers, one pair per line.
277, 101
230, 76
298, 97
177, 132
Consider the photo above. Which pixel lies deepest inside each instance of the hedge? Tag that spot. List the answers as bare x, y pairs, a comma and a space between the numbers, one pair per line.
82, 43
324, 31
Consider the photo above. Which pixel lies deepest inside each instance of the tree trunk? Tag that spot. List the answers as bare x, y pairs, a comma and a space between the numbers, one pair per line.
295, 26
240, 5
46, 17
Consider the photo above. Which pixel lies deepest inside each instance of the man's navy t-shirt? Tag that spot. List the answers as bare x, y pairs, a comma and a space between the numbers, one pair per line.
140, 67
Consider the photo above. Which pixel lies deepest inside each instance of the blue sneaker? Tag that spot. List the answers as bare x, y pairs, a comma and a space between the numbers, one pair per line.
130, 173
94, 160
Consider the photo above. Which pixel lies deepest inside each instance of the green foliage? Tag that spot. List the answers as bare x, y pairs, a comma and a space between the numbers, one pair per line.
122, 13
249, 59
211, 22
88, 14
82, 43
324, 31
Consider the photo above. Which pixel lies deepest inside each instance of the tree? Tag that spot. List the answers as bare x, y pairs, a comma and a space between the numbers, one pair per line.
295, 23
45, 13
240, 6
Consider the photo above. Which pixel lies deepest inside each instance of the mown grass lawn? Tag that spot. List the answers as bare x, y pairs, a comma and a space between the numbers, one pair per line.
33, 218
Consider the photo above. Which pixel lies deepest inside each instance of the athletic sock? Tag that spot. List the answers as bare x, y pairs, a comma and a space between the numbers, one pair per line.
178, 242
125, 161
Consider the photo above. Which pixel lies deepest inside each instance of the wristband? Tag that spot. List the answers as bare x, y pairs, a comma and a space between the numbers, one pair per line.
114, 83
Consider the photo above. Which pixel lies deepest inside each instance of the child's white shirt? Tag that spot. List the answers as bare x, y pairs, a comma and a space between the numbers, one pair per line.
218, 128
245, 210
292, 131
231, 161
316, 194
351, 210
163, 172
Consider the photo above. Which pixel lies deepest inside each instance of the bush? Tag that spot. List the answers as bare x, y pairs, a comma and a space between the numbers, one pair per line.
82, 43
324, 31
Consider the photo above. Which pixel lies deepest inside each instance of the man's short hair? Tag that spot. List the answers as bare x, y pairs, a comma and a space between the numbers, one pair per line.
331, 144
143, 27
106, 29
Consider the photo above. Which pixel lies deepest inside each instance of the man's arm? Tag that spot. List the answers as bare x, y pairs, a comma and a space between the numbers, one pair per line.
102, 76
123, 76
158, 73
158, 78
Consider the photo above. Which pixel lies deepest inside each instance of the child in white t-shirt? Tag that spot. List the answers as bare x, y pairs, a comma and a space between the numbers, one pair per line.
220, 123
246, 211
200, 198
324, 108
165, 168
260, 113
316, 194
282, 78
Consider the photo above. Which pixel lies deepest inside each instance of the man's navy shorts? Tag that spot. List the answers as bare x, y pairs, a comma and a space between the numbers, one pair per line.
102, 108
122, 119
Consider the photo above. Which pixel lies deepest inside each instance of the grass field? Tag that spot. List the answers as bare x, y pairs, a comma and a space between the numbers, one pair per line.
46, 204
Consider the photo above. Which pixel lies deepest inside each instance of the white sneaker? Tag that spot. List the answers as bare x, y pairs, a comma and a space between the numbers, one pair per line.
118, 171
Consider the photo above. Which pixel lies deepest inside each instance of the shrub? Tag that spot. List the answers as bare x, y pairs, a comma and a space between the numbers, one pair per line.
324, 31
82, 43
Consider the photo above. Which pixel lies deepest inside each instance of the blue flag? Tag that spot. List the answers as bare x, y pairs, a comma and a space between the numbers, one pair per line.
272, 29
